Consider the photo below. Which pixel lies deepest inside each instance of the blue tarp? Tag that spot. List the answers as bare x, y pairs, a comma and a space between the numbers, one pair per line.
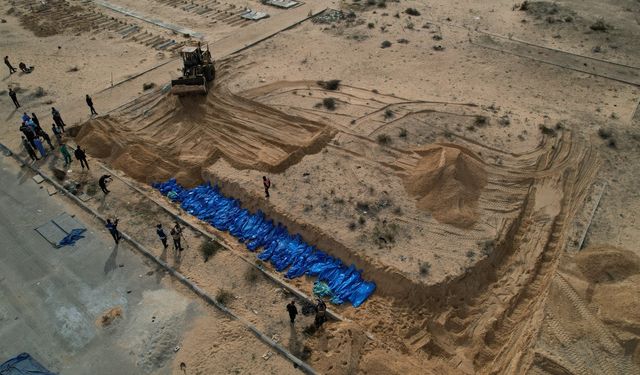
23, 364
71, 238
286, 252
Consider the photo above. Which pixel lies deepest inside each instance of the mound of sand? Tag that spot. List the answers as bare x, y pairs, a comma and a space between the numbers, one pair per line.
159, 136
601, 264
447, 182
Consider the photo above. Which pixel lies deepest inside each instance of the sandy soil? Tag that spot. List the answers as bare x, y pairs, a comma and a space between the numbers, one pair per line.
460, 178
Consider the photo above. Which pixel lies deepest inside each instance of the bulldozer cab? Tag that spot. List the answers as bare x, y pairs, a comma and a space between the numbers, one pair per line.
195, 56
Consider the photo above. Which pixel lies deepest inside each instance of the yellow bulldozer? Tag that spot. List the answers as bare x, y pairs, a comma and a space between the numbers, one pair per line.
197, 71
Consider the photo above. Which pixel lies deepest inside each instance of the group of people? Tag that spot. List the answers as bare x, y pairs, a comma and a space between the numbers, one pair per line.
320, 309
34, 138
23, 67
176, 236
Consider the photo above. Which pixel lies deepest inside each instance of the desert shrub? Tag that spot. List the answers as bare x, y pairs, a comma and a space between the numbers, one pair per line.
481, 121
412, 12
382, 3
471, 254
209, 248
224, 296
548, 131
385, 44
333, 84
362, 220
383, 139
425, 268
329, 103
73, 69
403, 41
148, 86
371, 25
384, 234
352, 225
403, 133
605, 133
388, 114
600, 25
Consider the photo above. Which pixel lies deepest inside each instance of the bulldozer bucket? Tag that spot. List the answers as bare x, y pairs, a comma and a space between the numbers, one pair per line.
189, 86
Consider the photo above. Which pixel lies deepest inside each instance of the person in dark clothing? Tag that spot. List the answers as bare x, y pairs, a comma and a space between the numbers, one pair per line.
29, 134
176, 235
24, 68
41, 133
293, 311
8, 64
14, 98
29, 148
321, 314
162, 235
90, 104
103, 181
112, 226
57, 133
267, 184
57, 118
25, 117
82, 157
35, 120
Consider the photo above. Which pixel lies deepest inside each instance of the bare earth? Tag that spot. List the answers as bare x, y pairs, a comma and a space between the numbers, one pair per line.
482, 168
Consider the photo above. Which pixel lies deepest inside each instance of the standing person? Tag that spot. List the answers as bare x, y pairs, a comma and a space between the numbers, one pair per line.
14, 98
8, 64
35, 119
293, 311
40, 147
56, 131
32, 125
103, 181
25, 117
57, 118
65, 154
41, 133
162, 235
29, 133
90, 104
267, 184
27, 146
112, 226
176, 235
81, 156
321, 314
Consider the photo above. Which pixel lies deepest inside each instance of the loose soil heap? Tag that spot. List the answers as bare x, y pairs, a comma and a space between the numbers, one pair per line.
179, 136
447, 181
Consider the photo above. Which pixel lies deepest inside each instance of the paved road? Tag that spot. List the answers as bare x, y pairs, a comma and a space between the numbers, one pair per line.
52, 300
